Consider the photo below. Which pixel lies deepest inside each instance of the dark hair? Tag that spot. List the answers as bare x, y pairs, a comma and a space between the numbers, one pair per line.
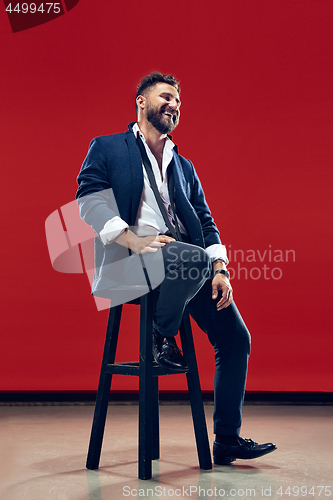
154, 78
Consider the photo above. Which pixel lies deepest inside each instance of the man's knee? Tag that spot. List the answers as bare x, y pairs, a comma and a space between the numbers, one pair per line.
229, 332
191, 259
236, 347
243, 339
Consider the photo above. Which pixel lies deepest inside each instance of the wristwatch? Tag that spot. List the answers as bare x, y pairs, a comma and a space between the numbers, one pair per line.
223, 271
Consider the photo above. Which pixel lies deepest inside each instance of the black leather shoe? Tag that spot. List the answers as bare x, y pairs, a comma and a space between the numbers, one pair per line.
245, 449
167, 354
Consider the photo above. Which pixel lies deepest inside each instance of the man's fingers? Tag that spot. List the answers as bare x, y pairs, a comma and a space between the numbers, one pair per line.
225, 301
157, 243
160, 240
164, 238
148, 249
214, 291
149, 244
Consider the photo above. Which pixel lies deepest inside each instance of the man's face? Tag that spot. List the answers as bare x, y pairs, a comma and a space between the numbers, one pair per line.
162, 107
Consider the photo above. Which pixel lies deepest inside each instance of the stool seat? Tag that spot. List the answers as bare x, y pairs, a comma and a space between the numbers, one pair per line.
148, 372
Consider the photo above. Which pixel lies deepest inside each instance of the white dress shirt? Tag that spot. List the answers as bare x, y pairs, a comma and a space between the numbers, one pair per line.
149, 219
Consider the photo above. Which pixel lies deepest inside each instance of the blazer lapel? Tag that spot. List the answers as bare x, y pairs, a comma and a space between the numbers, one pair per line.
136, 173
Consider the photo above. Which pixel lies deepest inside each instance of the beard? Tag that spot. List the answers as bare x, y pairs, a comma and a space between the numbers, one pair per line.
161, 122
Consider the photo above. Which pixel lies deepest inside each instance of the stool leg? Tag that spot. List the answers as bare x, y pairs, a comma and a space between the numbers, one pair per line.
155, 418
103, 393
193, 383
145, 387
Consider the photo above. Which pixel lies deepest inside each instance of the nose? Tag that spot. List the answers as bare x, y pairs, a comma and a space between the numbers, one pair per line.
174, 104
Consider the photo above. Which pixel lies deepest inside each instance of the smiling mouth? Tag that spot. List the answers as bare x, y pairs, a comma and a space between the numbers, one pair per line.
172, 116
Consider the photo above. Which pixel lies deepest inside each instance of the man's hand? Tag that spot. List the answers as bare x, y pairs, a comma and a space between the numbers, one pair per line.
149, 243
144, 244
221, 282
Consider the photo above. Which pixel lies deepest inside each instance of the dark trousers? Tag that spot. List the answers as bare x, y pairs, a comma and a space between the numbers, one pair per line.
188, 281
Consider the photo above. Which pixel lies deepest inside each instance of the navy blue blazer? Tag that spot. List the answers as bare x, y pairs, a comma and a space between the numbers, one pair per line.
111, 183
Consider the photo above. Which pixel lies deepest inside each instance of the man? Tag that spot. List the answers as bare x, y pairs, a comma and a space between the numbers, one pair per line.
126, 163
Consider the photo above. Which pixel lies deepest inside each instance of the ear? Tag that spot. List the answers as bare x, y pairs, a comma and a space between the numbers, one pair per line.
141, 102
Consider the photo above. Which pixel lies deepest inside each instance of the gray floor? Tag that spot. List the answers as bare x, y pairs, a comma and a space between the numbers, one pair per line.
43, 451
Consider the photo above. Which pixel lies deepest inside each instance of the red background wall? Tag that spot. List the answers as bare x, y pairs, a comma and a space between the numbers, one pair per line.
257, 85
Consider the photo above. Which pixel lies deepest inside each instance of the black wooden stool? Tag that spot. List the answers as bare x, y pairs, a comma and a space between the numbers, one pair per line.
148, 371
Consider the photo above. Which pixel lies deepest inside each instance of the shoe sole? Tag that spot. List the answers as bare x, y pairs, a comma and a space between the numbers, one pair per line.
174, 369
224, 460
227, 460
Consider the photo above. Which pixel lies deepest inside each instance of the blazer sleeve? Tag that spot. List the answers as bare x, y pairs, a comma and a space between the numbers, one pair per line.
94, 195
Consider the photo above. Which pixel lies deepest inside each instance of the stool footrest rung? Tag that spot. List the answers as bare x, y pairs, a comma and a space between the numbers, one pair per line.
133, 368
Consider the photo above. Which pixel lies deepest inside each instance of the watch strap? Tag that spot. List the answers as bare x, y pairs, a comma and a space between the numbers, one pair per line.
223, 271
